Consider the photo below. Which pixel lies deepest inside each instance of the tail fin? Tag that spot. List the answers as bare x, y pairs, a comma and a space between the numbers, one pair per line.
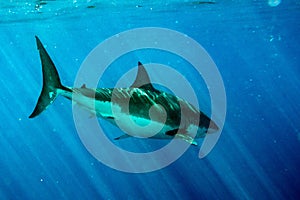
51, 81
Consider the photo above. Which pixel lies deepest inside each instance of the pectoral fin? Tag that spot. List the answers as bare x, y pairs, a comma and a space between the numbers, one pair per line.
122, 137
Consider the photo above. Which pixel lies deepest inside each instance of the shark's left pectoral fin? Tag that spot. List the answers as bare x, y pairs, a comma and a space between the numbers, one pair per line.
122, 137
186, 138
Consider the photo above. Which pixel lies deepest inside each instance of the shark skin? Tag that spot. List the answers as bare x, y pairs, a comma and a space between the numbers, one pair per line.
140, 103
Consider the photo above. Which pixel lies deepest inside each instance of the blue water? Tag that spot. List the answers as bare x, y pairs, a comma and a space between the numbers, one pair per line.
256, 49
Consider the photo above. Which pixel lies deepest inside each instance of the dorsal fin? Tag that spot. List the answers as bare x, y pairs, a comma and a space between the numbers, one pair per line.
142, 79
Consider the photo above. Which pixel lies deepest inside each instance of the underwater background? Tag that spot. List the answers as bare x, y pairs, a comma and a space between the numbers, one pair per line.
255, 45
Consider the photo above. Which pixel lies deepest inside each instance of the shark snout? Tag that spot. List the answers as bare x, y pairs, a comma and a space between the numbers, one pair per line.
213, 127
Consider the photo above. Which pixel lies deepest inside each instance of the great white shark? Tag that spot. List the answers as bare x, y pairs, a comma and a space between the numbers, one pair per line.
141, 103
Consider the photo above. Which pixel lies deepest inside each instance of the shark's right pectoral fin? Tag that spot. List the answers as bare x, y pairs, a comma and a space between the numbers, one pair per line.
122, 137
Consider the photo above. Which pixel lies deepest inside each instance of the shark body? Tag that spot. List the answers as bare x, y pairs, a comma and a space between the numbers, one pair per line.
140, 103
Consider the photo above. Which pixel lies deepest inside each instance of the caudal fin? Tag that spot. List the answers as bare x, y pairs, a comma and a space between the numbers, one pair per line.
51, 81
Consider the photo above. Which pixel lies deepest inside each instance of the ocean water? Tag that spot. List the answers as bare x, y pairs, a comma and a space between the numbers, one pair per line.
255, 45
